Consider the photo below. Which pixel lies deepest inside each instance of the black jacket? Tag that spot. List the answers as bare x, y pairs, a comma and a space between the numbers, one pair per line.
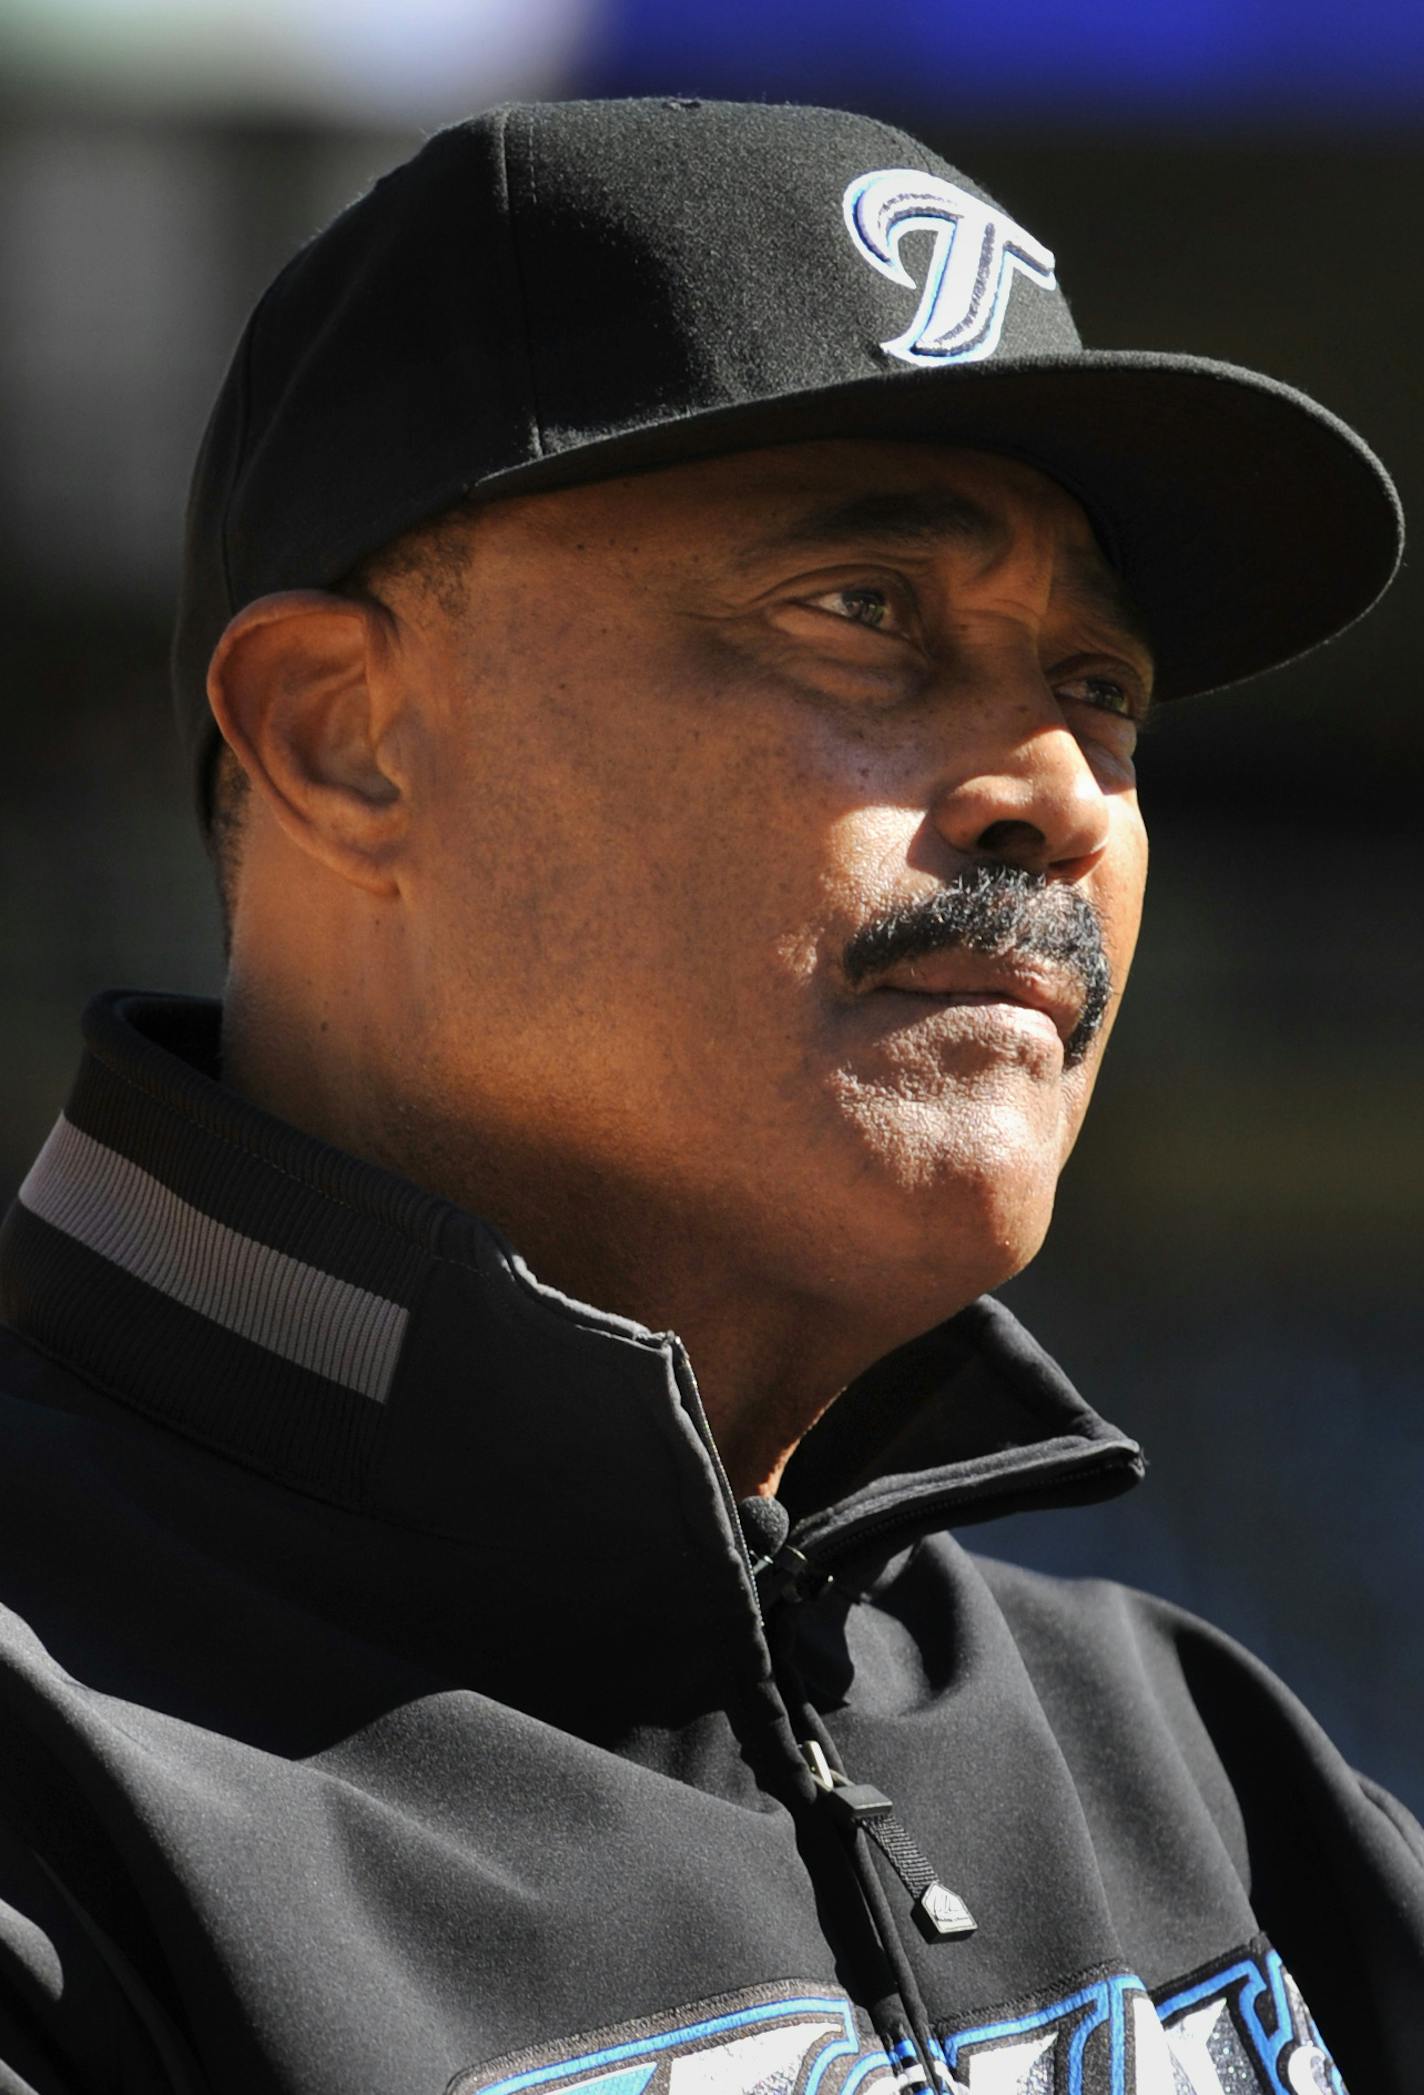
387, 1698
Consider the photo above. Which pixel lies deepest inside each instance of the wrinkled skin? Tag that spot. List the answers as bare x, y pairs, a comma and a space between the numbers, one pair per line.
550, 877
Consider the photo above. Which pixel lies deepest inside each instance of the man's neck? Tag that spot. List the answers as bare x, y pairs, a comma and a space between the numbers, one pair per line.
767, 1358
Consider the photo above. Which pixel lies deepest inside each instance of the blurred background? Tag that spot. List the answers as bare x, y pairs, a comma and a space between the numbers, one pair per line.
1233, 1275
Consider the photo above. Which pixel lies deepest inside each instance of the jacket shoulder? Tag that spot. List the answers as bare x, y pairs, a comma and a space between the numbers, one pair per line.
1333, 1864
1097, 1642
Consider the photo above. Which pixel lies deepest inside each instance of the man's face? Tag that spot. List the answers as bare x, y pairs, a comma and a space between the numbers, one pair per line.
700, 754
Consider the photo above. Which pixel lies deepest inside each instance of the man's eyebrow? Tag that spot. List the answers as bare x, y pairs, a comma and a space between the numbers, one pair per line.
927, 517
921, 517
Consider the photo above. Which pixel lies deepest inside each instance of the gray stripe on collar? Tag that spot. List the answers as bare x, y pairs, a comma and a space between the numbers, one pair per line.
345, 1333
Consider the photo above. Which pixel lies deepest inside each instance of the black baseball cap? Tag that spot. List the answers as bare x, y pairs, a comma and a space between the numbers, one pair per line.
561, 292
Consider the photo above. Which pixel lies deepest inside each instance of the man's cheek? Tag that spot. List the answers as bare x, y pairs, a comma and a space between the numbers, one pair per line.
1118, 898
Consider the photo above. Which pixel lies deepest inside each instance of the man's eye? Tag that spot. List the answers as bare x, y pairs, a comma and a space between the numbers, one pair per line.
857, 606
1107, 693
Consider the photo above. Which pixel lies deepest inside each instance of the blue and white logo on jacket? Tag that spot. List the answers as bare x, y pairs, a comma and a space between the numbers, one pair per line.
774, 2040
975, 253
1241, 2029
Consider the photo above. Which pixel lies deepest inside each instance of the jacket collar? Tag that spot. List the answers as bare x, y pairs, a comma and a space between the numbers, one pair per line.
316, 1318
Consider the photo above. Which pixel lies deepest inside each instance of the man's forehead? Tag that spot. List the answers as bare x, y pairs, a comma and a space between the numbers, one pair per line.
744, 512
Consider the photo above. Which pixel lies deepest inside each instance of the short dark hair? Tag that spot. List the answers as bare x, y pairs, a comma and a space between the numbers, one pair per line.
433, 556
230, 790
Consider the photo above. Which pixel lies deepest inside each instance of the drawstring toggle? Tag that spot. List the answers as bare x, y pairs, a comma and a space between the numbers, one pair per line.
940, 1914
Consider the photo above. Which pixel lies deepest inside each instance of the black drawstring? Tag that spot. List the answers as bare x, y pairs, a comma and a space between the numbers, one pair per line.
939, 1912
783, 1574
814, 1733
784, 1577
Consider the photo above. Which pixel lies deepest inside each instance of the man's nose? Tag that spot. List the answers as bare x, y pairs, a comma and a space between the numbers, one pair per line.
1028, 796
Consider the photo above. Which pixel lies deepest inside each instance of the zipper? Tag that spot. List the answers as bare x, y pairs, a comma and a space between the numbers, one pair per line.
865, 1817
686, 1381
920, 2042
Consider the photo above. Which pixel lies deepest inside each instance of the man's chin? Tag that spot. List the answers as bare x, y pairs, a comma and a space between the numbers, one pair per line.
990, 1137
993, 1239
932, 1239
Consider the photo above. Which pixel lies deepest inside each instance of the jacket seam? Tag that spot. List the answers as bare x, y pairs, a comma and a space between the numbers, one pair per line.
964, 2020
321, 1491
235, 1143
528, 1288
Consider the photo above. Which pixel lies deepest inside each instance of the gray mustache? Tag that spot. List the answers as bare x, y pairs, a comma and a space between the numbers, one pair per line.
994, 908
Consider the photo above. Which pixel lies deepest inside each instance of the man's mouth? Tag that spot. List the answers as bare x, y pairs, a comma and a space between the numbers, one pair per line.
956, 977
996, 935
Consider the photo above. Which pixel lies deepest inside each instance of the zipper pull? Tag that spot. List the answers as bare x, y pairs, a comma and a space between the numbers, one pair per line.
940, 1914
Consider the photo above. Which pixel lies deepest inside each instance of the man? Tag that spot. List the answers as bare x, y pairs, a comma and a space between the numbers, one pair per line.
669, 607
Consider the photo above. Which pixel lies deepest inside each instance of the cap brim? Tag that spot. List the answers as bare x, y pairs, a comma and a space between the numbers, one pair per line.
1248, 522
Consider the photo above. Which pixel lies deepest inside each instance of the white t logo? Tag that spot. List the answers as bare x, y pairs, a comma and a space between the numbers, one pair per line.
976, 248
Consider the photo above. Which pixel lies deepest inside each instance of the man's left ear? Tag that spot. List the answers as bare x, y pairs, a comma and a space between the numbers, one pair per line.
299, 686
